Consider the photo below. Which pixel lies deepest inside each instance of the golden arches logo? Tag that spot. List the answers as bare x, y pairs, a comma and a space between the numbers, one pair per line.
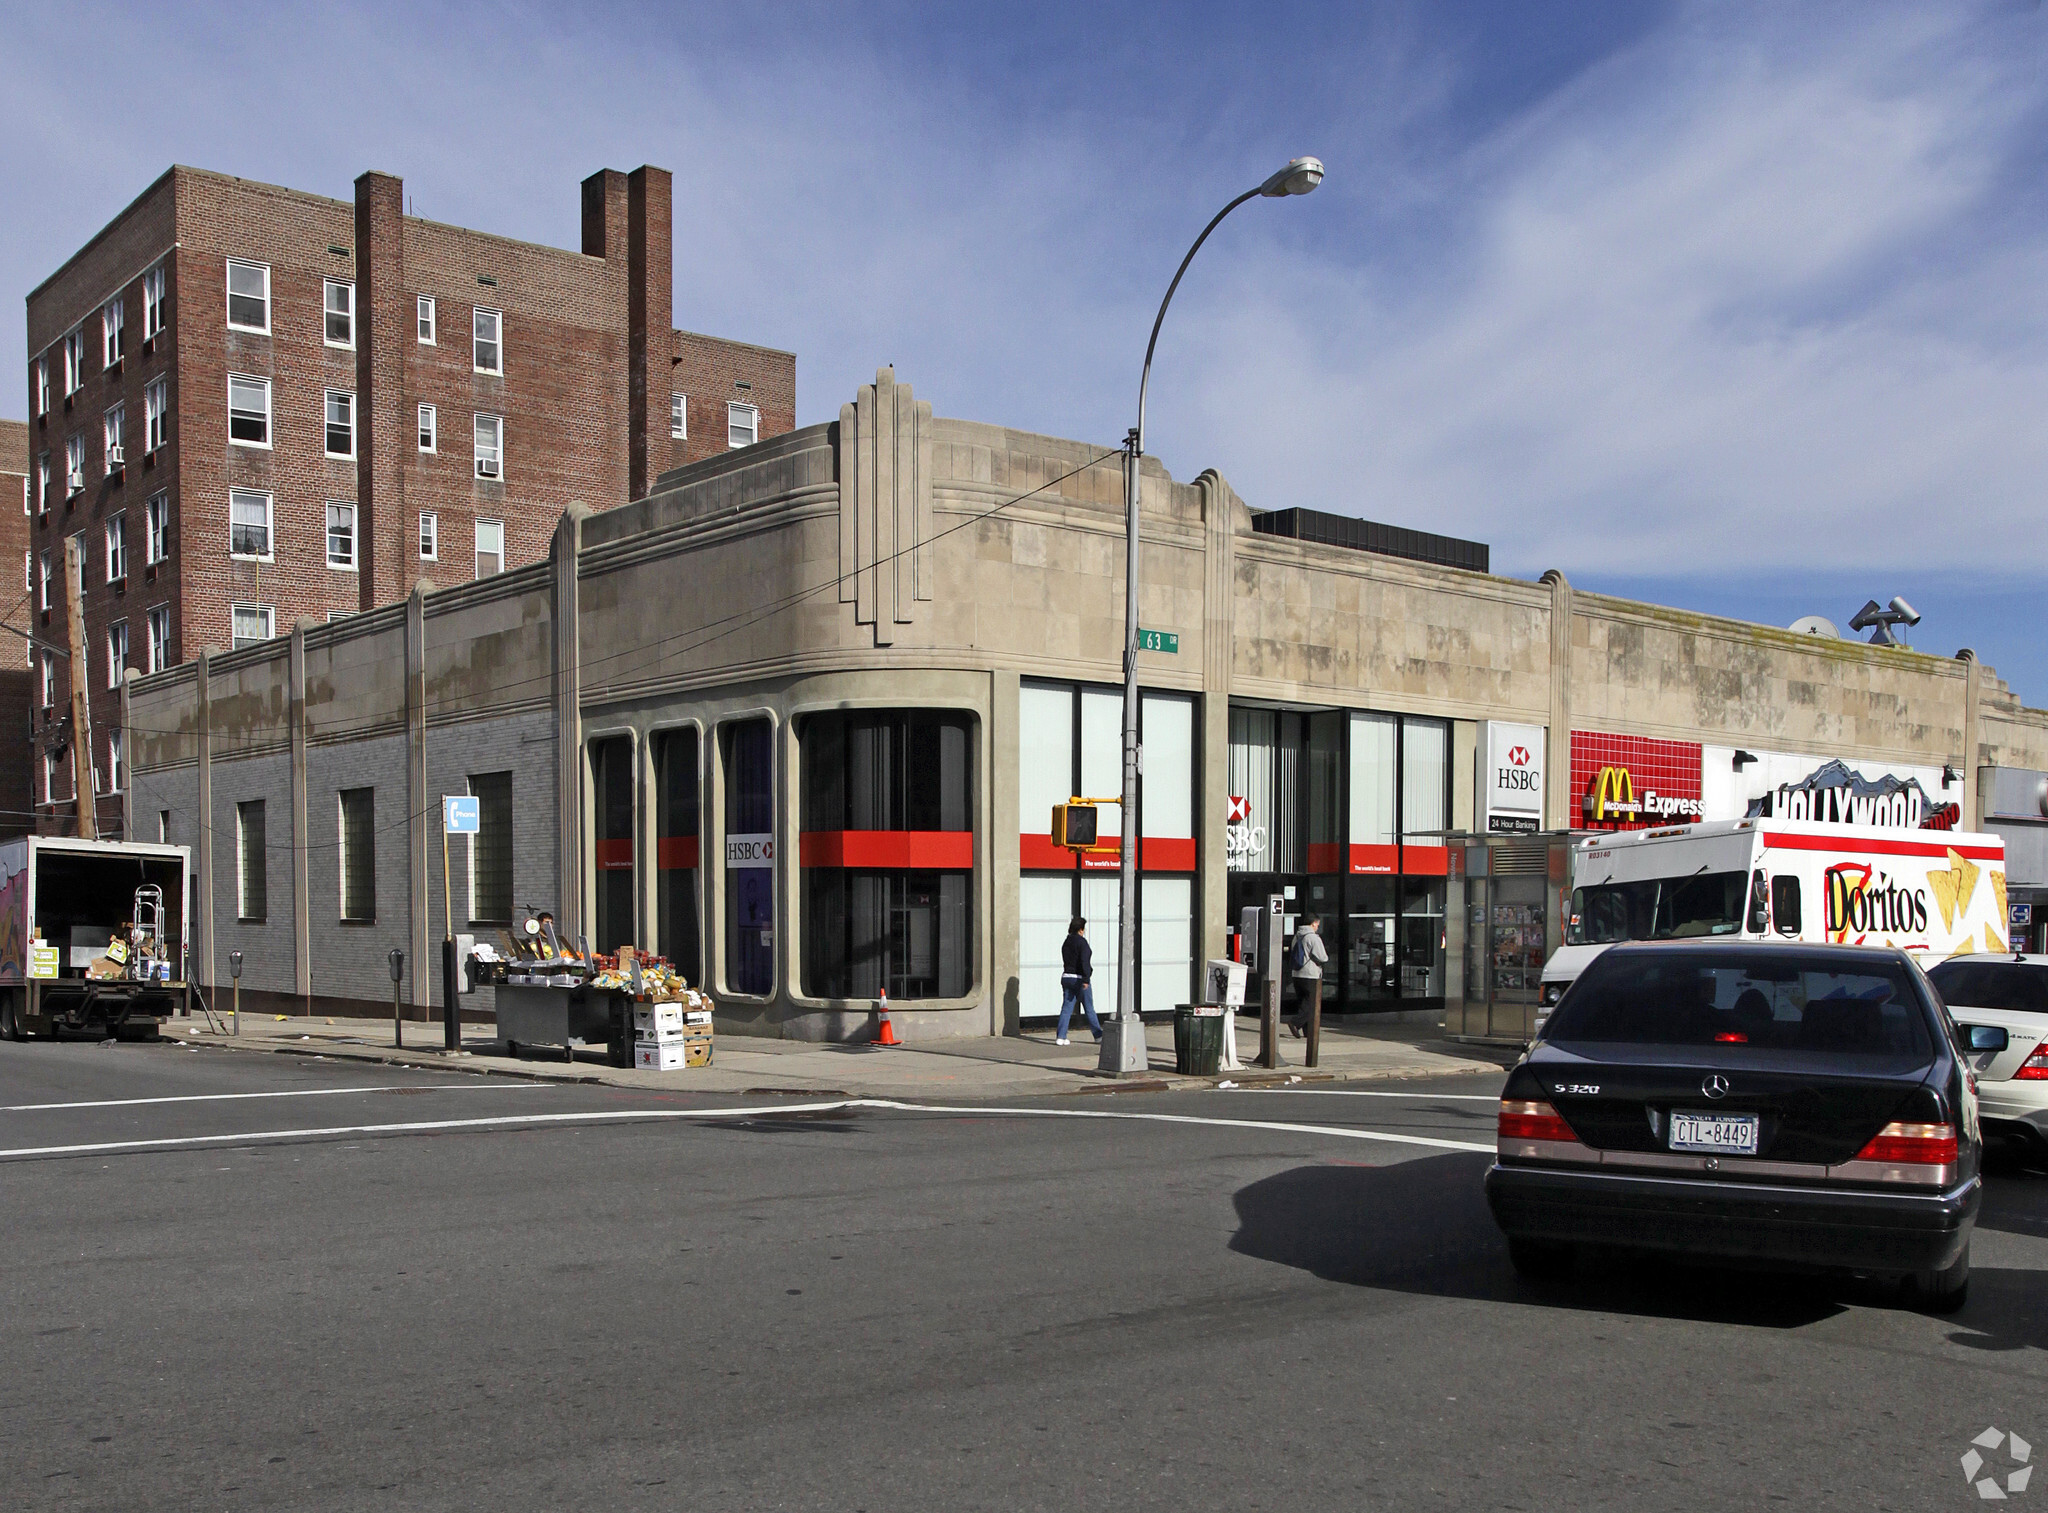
1612, 797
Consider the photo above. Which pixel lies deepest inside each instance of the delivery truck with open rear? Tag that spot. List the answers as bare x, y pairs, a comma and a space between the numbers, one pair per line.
92, 936
1934, 893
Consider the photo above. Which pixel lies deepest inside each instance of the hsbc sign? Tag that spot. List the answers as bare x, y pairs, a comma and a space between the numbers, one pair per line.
1510, 798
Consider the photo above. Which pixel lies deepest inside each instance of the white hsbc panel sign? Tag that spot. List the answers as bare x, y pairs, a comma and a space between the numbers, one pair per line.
1510, 798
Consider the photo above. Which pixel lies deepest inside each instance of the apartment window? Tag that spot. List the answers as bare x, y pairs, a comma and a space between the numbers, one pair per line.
251, 881
252, 624
113, 322
49, 681
489, 342
430, 428
42, 483
490, 547
43, 600
430, 536
338, 303
114, 773
153, 302
156, 415
341, 423
117, 547
248, 524
74, 362
679, 416
78, 577
426, 317
490, 446
74, 465
160, 638
49, 777
117, 652
116, 426
248, 410
156, 516
341, 536
42, 385
249, 296
358, 837
163, 827
742, 425
490, 850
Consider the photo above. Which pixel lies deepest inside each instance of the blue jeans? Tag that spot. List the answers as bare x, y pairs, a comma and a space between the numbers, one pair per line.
1073, 991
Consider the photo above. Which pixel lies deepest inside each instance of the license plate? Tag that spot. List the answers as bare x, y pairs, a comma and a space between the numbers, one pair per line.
1717, 1134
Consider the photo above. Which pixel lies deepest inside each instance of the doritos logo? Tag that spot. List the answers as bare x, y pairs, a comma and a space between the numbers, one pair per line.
1518, 756
1860, 901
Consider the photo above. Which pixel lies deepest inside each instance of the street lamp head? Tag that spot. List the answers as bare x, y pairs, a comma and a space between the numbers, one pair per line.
1298, 177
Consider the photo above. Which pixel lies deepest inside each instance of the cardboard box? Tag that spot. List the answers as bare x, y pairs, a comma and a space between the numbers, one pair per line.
664, 1056
651, 1020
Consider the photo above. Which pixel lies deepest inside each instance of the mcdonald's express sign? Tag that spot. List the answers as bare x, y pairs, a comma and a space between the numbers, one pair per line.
1624, 782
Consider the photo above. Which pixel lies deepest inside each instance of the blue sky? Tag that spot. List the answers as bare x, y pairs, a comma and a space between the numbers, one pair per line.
1741, 308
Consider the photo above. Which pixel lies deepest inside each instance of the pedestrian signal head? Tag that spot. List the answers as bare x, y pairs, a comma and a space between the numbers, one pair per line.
1073, 826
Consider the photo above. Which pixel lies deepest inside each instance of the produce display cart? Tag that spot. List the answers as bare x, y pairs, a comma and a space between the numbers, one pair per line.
567, 1017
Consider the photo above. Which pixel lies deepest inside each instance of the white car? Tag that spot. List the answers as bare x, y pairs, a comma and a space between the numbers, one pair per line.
2008, 993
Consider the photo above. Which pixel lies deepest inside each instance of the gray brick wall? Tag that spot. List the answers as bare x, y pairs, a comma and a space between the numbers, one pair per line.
349, 959
268, 949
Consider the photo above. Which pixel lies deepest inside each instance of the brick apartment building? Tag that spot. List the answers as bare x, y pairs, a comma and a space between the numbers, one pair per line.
255, 405
17, 661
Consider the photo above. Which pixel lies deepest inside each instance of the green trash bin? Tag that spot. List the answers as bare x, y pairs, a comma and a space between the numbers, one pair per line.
1198, 1039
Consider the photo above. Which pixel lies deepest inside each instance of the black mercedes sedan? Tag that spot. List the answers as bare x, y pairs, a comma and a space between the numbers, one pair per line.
1781, 1104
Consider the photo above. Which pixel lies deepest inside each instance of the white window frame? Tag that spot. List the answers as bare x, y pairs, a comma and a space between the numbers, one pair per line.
341, 517
43, 597
43, 483
113, 331
117, 652
245, 497
158, 627
228, 288
481, 527
79, 582
348, 404
497, 338
42, 386
269, 411
117, 546
114, 433
74, 466
156, 415
430, 536
266, 620
733, 411
243, 900
74, 361
430, 429
114, 773
153, 303
425, 326
49, 777
493, 465
329, 313
156, 527
679, 417
49, 681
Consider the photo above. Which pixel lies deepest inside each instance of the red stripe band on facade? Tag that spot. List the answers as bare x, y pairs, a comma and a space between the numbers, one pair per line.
1158, 853
613, 856
1882, 848
676, 852
936, 850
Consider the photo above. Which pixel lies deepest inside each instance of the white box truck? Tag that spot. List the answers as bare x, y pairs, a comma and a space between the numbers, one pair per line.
92, 936
1934, 893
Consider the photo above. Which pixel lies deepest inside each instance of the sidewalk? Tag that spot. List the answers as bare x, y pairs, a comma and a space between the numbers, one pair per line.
1009, 1067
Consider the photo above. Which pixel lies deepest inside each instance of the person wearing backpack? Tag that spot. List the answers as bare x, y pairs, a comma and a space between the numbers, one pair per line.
1077, 969
1305, 961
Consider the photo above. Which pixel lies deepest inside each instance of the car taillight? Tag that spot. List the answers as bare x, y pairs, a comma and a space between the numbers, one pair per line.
2035, 1067
1532, 1120
1912, 1145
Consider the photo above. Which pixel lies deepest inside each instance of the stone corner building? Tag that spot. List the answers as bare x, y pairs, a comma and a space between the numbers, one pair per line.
796, 720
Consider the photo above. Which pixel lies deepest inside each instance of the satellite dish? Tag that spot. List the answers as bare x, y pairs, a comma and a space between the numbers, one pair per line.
1815, 625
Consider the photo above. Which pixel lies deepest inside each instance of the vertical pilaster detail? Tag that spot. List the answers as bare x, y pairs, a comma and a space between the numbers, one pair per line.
569, 717
302, 908
204, 945
383, 430
1557, 800
1973, 710
885, 505
420, 817
1219, 629
127, 794
998, 847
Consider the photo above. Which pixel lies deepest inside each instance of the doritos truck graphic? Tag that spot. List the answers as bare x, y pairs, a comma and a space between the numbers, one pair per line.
1934, 893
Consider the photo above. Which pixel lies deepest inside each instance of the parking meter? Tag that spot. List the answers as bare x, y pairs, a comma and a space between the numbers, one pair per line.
397, 960
235, 971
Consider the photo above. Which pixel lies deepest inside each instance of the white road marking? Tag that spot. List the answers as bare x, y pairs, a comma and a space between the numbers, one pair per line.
310, 1092
1345, 1092
514, 1121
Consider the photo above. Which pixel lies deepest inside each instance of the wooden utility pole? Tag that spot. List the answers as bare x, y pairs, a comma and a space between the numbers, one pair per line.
81, 703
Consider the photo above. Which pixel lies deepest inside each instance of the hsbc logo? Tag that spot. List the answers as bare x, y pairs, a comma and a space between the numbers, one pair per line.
1240, 809
1518, 756
1511, 782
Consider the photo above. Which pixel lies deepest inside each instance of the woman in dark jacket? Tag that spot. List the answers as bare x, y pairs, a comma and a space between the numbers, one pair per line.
1077, 968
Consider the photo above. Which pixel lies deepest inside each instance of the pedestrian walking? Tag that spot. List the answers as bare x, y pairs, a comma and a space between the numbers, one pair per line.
1306, 960
1077, 971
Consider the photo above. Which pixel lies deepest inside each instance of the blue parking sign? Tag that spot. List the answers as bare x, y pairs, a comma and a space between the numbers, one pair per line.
461, 814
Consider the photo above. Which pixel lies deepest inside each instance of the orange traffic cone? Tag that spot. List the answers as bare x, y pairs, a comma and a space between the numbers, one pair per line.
885, 1032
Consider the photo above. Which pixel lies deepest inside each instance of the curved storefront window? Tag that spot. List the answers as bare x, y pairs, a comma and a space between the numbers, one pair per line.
748, 750
678, 863
611, 782
887, 851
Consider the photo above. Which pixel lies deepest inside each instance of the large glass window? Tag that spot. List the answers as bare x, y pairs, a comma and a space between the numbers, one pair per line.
611, 787
677, 850
887, 854
490, 850
357, 819
251, 858
748, 750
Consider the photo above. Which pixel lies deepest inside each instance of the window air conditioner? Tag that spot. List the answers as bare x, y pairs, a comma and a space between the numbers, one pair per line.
486, 468
116, 456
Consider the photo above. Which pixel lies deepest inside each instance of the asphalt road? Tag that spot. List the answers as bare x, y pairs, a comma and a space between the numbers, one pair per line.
391, 1289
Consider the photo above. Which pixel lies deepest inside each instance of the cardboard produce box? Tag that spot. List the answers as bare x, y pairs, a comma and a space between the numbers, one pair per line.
662, 1021
671, 1055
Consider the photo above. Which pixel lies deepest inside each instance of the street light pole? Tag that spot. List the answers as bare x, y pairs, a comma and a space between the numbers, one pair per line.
1123, 1041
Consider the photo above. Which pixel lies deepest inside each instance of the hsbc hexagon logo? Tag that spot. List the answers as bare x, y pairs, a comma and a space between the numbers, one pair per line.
1240, 809
1518, 756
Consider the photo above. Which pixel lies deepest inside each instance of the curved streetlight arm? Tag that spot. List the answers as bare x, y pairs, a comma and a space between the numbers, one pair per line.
1146, 378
